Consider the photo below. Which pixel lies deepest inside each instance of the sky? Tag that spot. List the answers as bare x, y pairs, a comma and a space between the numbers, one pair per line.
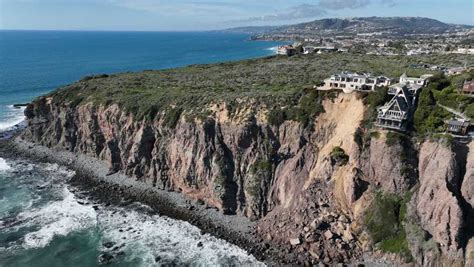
189, 15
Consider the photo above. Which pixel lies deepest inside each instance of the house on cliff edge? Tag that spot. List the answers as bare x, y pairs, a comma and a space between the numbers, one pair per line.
396, 113
468, 88
349, 82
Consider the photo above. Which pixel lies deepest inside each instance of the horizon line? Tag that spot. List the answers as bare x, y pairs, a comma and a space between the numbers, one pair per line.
231, 27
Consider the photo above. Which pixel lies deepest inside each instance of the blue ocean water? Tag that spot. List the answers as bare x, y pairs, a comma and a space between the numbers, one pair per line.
35, 62
46, 222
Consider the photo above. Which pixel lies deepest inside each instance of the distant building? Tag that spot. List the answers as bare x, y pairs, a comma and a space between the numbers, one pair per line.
308, 50
325, 49
455, 71
468, 87
468, 51
422, 81
417, 52
396, 114
412, 84
349, 82
287, 50
456, 126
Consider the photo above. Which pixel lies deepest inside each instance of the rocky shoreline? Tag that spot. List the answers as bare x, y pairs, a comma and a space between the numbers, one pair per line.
93, 176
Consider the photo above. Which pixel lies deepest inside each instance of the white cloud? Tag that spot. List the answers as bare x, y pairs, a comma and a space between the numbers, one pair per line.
303, 11
351, 4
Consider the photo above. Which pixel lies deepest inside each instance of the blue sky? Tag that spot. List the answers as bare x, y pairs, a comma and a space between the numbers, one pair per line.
186, 15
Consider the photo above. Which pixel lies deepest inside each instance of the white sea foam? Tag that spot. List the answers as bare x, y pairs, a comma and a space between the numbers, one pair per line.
274, 49
4, 165
13, 117
57, 218
59, 171
148, 237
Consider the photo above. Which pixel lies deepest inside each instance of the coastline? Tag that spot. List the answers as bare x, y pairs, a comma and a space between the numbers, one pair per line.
92, 175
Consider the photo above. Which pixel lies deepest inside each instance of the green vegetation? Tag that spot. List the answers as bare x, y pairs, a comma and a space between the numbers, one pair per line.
339, 156
282, 84
260, 170
172, 116
446, 139
261, 166
393, 138
385, 223
429, 116
375, 134
309, 106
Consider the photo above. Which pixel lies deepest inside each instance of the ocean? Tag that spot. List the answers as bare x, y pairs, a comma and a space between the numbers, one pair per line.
33, 63
44, 220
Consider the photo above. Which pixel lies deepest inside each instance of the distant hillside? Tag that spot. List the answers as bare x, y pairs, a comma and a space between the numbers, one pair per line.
383, 25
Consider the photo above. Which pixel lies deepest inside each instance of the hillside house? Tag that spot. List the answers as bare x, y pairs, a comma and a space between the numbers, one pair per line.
455, 71
468, 51
456, 126
422, 81
468, 88
325, 49
349, 82
287, 50
308, 50
398, 111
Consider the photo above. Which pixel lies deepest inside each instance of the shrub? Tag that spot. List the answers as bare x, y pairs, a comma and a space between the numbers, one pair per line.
276, 117
384, 222
375, 134
339, 156
260, 170
393, 138
261, 166
172, 117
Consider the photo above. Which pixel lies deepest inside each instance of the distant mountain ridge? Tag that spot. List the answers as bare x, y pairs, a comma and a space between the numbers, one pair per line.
391, 25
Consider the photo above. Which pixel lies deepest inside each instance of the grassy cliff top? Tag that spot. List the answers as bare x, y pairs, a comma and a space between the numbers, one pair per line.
274, 81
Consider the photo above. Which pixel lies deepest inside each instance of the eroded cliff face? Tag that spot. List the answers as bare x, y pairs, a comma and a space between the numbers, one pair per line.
437, 202
283, 176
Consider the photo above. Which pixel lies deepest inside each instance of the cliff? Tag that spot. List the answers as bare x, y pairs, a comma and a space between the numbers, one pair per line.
284, 176
304, 165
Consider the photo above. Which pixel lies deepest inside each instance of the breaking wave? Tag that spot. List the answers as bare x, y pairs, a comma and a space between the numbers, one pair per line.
56, 214
274, 49
58, 218
12, 117
4, 165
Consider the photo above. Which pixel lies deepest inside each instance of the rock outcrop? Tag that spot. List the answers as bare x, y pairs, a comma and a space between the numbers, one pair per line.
437, 203
391, 167
283, 176
468, 181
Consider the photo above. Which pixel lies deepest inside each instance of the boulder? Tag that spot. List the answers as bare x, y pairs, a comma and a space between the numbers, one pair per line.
295, 241
347, 236
328, 234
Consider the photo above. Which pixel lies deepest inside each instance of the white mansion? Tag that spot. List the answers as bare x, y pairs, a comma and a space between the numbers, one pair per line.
349, 82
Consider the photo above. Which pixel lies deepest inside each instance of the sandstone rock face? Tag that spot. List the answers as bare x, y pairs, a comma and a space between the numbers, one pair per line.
387, 166
468, 182
240, 165
437, 200
281, 176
